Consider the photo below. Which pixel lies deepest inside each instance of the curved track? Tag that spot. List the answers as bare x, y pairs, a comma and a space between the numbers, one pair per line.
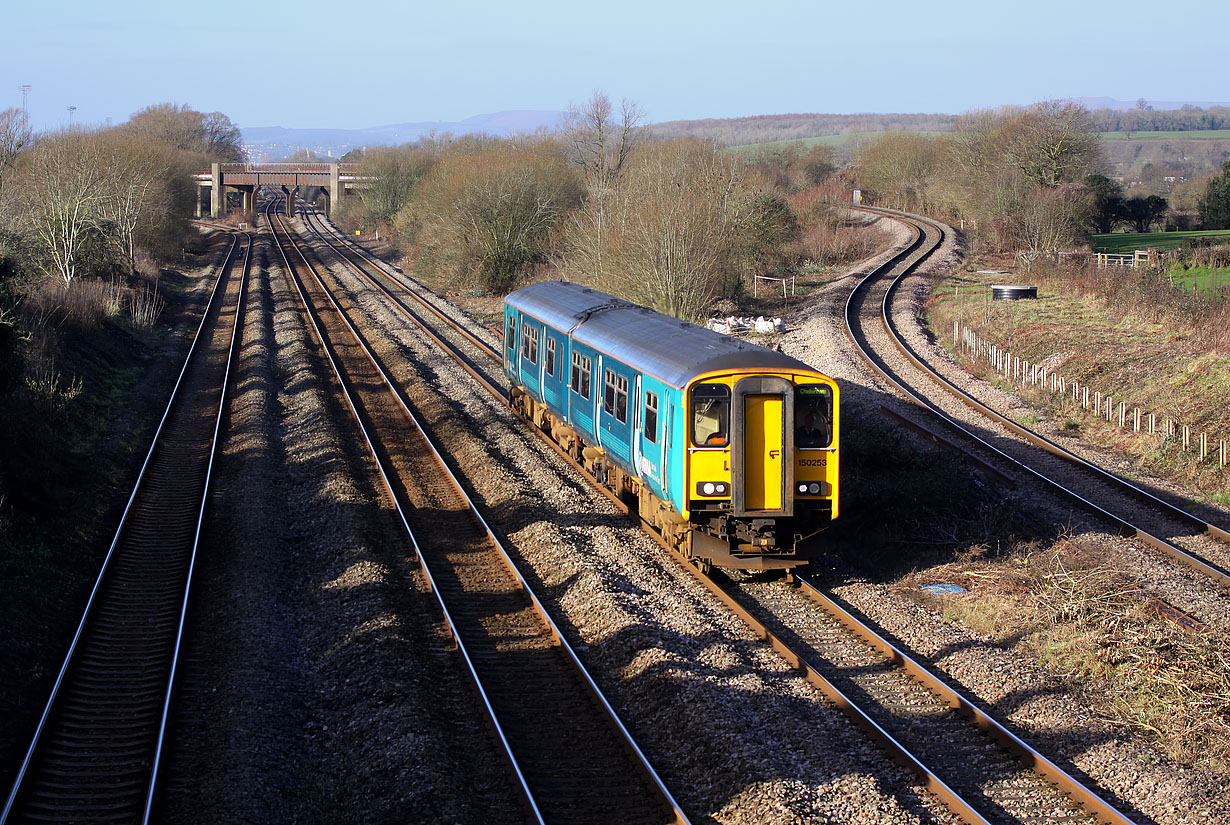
96, 752
985, 774
1103, 493
573, 759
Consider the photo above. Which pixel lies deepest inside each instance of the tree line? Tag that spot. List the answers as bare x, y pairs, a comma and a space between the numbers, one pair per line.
672, 223
85, 202
1031, 179
741, 131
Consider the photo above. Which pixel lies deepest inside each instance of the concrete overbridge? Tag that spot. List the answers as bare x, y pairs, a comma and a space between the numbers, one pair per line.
333, 180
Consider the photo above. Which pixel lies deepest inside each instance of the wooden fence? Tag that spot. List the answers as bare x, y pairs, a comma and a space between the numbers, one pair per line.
1017, 370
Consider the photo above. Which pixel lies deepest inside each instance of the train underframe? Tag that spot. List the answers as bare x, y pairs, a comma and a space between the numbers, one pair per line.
713, 538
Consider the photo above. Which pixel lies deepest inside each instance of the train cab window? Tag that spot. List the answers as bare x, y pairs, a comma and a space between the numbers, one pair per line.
711, 415
529, 343
615, 396
510, 336
813, 416
550, 356
581, 365
651, 416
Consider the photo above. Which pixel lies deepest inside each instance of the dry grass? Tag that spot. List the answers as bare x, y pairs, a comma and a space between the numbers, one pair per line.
1169, 359
1097, 637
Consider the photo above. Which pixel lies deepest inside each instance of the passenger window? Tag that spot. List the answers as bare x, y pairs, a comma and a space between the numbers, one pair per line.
615, 396
550, 355
529, 343
621, 399
581, 365
710, 415
510, 336
651, 416
608, 394
813, 416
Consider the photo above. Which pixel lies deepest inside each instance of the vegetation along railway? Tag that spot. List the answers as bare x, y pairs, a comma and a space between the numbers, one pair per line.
96, 752
873, 316
733, 465
981, 771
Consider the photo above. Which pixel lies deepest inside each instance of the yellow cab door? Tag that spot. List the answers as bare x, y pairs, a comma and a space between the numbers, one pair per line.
764, 469
763, 451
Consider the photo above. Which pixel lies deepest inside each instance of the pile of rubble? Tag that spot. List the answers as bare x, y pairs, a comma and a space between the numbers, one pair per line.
742, 326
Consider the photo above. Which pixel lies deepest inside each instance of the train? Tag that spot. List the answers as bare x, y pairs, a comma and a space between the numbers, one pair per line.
730, 450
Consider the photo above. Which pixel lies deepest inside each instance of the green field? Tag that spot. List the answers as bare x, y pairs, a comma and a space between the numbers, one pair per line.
1131, 241
1195, 134
838, 140
1201, 279
826, 140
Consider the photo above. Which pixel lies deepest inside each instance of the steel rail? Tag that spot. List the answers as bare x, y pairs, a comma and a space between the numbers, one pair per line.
526, 794
452, 349
897, 751
94, 600
397, 276
679, 816
196, 539
1029, 757
1124, 526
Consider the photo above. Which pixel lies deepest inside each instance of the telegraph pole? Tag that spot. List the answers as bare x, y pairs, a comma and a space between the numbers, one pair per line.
25, 90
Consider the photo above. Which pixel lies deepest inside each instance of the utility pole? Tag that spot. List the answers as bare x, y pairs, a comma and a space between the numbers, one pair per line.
71, 109
25, 90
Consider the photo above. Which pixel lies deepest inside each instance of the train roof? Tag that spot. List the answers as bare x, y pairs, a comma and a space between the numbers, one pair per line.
672, 350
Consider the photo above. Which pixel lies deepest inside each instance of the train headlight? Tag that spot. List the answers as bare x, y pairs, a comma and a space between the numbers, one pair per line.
712, 488
810, 488
814, 488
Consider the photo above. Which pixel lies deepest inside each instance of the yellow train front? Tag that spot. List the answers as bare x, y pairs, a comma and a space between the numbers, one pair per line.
729, 449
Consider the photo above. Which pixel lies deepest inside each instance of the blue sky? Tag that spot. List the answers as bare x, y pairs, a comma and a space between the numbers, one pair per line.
371, 62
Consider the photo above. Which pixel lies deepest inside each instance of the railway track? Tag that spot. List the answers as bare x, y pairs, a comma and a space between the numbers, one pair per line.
96, 752
985, 774
572, 758
1160, 525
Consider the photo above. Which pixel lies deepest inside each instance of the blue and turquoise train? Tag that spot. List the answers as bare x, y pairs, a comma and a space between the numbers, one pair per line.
727, 448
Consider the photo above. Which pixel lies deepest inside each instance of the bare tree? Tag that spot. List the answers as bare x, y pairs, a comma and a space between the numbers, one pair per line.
1049, 218
1053, 143
64, 188
132, 173
182, 127
494, 214
14, 136
597, 141
668, 234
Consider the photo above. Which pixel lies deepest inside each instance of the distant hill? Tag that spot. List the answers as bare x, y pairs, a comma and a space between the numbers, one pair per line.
273, 142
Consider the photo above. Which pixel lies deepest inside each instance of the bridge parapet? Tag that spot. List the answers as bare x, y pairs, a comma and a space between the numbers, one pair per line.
333, 178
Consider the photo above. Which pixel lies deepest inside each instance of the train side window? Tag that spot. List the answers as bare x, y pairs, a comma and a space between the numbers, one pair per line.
529, 343
608, 392
813, 416
615, 396
581, 365
510, 335
651, 416
710, 415
550, 356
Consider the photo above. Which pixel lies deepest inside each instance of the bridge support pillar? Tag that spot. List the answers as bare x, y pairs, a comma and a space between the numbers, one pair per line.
290, 191
218, 204
201, 189
249, 198
335, 185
